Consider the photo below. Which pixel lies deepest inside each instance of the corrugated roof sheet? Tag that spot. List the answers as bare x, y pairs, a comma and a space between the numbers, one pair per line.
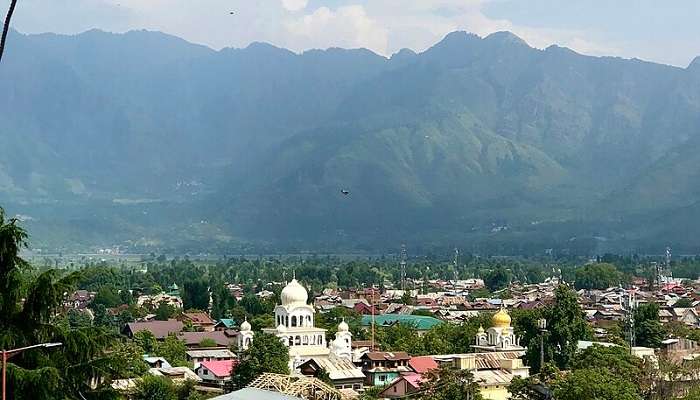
339, 368
255, 394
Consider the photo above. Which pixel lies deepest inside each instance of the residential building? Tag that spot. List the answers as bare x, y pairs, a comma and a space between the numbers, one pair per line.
403, 386
215, 373
159, 329
342, 372
381, 368
199, 320
199, 356
224, 324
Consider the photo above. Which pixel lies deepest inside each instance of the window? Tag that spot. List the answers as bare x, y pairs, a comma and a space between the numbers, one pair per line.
382, 378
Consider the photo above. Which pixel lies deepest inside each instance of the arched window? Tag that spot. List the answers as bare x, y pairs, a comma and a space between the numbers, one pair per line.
297, 340
305, 341
291, 341
294, 320
286, 321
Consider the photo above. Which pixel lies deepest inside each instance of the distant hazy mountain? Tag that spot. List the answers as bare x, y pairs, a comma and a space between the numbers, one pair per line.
488, 144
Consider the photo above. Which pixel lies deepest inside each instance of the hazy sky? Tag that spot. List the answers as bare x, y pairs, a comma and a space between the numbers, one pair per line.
665, 31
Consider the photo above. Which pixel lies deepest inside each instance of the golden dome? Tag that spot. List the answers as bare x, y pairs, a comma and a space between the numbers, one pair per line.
501, 319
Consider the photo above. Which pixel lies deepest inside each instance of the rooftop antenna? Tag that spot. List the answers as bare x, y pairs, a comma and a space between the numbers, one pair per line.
403, 267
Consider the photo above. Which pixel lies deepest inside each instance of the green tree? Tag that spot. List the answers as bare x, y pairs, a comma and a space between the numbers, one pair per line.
399, 337
524, 389
497, 279
78, 319
406, 298
107, 296
154, 388
594, 384
146, 341
165, 311
446, 383
29, 304
597, 276
125, 297
566, 326
129, 359
265, 354
173, 350
648, 329
616, 359
195, 294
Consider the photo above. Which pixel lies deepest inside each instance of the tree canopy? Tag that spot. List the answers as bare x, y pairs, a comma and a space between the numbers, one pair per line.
265, 354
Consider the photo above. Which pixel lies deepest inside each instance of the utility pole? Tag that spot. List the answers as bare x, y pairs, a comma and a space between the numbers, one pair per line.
403, 267
542, 325
454, 265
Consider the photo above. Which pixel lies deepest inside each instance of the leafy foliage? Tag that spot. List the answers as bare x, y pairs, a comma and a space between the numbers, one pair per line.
648, 329
449, 384
598, 276
55, 373
265, 354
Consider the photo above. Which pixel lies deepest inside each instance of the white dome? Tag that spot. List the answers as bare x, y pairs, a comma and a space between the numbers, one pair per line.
245, 326
294, 293
343, 327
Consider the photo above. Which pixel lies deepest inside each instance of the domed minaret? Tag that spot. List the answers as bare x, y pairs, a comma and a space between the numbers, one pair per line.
294, 321
245, 336
500, 337
342, 345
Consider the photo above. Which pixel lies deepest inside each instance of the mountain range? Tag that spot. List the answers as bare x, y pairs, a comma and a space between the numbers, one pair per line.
146, 141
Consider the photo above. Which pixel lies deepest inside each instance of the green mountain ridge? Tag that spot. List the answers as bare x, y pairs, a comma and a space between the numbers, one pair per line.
148, 141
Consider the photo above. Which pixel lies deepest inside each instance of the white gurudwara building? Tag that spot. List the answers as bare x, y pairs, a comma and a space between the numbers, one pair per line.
295, 328
500, 337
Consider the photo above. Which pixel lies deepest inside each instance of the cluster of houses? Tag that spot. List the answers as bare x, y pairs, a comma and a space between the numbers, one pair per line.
353, 365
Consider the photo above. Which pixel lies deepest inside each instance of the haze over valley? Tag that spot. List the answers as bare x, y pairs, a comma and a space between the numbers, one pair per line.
149, 142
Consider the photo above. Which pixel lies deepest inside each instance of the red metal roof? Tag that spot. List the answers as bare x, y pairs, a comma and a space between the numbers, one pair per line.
422, 364
221, 368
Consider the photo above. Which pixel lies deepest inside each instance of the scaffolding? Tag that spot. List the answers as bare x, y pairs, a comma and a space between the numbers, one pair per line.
297, 386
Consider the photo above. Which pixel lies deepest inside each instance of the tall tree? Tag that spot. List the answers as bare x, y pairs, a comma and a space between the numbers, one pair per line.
446, 383
648, 329
595, 384
46, 373
566, 326
265, 354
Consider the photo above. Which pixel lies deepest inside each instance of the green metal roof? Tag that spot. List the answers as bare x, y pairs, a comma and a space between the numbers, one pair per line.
421, 322
227, 322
